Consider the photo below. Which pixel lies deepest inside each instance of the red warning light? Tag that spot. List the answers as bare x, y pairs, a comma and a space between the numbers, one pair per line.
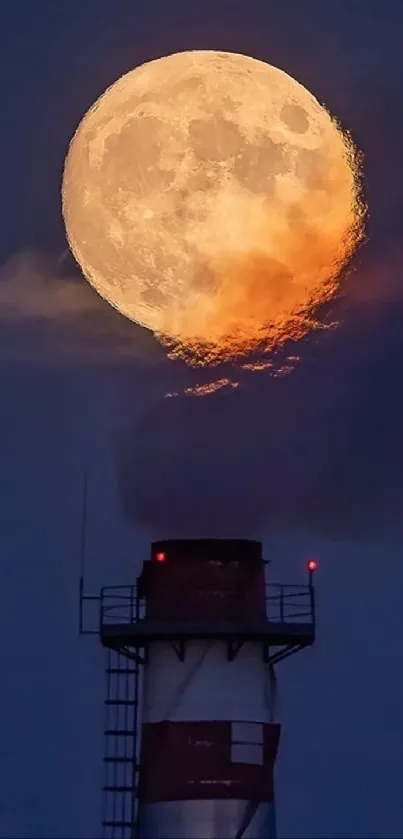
160, 556
312, 565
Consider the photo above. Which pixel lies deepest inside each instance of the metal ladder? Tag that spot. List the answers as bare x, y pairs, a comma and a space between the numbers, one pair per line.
120, 760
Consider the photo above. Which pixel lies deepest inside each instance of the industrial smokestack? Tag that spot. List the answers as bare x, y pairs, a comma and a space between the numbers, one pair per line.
207, 631
209, 733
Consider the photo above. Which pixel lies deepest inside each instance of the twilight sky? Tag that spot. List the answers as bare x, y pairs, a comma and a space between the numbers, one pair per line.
313, 461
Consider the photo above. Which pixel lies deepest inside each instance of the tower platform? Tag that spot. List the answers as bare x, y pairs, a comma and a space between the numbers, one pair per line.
287, 626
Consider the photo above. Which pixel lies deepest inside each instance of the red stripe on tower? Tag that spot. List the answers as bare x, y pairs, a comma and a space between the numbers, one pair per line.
201, 760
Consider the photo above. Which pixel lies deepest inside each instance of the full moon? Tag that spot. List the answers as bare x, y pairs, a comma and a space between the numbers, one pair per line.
209, 197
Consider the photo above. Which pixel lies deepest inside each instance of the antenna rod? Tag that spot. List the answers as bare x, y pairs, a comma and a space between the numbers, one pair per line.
83, 550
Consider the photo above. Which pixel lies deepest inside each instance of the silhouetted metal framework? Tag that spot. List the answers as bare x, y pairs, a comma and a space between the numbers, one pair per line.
120, 759
126, 633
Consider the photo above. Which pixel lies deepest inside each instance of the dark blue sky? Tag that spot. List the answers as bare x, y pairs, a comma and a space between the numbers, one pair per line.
313, 460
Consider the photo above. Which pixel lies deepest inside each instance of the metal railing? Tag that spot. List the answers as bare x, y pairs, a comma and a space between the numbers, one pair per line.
288, 603
121, 604
285, 603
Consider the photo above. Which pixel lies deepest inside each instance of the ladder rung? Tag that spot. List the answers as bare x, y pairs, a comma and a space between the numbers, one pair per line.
121, 702
119, 789
119, 733
123, 670
119, 759
118, 824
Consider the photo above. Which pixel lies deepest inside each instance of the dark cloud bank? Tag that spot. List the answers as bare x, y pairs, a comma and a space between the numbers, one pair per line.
320, 448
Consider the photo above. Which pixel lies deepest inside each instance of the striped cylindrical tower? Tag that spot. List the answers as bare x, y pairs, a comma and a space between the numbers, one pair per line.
209, 732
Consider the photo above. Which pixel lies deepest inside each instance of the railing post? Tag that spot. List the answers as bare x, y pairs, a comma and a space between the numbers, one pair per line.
101, 610
312, 601
80, 605
282, 604
312, 566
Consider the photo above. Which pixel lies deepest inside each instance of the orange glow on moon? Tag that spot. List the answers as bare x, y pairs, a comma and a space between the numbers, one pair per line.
210, 197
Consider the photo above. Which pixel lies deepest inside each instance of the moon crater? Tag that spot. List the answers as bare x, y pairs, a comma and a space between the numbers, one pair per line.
215, 138
295, 118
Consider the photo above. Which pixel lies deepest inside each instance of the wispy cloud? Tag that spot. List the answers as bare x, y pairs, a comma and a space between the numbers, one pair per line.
48, 309
32, 285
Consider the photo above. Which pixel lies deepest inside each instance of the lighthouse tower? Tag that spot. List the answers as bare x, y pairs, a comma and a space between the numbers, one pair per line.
201, 633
